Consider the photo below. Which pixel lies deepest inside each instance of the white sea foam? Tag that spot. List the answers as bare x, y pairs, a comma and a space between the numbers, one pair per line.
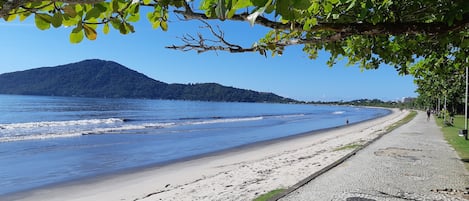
290, 115
227, 120
38, 137
338, 112
29, 125
62, 129
41, 133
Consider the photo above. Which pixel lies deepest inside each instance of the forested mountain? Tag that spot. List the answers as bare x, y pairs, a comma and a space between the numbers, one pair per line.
107, 79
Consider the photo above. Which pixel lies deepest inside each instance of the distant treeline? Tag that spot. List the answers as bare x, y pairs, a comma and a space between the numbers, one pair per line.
370, 102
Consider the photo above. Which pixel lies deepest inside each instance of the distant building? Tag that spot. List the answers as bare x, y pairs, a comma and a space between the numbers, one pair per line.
408, 99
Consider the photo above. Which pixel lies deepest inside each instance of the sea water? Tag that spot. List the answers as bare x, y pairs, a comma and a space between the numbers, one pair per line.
49, 140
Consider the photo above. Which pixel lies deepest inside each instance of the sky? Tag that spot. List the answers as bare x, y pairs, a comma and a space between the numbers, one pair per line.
291, 75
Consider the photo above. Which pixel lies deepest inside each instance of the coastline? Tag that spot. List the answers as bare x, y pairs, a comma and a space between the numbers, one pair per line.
240, 173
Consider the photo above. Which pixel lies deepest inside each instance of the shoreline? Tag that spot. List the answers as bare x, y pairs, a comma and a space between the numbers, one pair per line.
228, 172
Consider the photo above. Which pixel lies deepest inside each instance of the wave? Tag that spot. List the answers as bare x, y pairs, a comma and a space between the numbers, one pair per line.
48, 133
40, 124
338, 112
291, 115
74, 128
226, 120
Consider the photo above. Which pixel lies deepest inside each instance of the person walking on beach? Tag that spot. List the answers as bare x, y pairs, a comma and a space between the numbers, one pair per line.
428, 114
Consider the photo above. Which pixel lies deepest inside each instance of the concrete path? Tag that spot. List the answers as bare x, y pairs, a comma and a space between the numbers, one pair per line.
413, 162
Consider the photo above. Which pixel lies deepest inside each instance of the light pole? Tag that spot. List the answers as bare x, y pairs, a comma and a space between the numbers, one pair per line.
464, 132
465, 111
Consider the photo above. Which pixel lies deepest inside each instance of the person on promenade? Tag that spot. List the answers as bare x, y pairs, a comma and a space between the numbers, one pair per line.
428, 114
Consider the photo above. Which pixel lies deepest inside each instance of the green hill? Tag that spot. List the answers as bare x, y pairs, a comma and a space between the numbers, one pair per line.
107, 79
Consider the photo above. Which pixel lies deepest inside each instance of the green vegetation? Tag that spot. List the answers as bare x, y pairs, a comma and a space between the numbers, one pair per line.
267, 196
401, 122
451, 134
349, 146
408, 103
97, 78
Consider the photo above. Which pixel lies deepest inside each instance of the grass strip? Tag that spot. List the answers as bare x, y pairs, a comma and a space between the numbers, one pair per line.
451, 134
401, 122
349, 146
267, 196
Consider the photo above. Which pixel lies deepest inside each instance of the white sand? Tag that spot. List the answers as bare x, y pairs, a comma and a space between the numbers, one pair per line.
242, 174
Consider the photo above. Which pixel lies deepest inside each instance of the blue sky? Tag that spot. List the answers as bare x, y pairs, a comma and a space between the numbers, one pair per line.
291, 75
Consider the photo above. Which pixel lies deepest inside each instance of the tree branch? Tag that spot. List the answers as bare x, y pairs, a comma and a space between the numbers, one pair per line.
201, 44
8, 6
362, 28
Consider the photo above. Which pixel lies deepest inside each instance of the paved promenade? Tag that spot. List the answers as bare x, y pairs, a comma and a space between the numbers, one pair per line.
413, 162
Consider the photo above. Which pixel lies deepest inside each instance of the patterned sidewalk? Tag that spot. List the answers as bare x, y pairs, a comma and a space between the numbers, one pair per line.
413, 162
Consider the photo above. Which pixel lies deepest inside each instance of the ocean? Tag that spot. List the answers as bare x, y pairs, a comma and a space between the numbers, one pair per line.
51, 140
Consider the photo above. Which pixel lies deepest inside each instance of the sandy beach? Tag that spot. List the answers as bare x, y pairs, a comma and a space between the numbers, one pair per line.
238, 174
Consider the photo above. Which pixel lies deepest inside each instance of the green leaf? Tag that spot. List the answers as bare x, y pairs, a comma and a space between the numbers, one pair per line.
70, 11
314, 8
23, 16
93, 23
164, 25
283, 8
241, 4
10, 17
102, 6
220, 10
335, 16
116, 23
301, 4
93, 13
115, 6
130, 27
77, 34
135, 8
68, 21
79, 10
156, 24
146, 2
352, 4
106, 28
57, 19
126, 28
259, 3
328, 8
134, 18
269, 9
207, 4
42, 21
150, 16
310, 23
90, 33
